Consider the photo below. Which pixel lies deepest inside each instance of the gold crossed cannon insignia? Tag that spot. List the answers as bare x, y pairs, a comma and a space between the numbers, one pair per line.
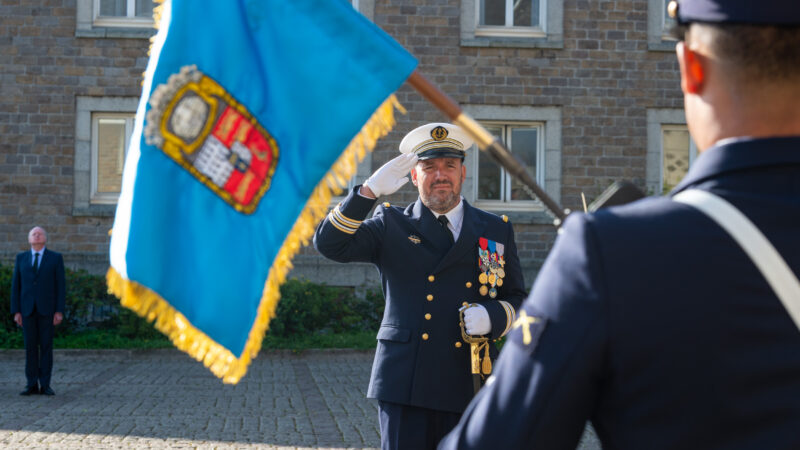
525, 321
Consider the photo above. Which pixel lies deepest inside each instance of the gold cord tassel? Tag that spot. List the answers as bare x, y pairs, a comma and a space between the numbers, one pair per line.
487, 361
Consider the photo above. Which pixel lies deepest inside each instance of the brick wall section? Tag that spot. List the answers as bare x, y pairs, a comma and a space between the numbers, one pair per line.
44, 68
603, 80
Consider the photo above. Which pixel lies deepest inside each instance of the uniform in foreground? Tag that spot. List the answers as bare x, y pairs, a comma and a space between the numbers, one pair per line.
649, 319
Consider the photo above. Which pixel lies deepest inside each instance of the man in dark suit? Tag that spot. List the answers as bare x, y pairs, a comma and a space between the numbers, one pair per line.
433, 256
650, 319
37, 303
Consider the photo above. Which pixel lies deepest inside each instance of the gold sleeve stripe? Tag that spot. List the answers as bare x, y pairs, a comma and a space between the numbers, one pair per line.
344, 219
510, 316
343, 223
340, 227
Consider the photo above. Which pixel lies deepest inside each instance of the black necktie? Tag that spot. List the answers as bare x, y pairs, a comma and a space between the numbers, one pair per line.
443, 220
35, 262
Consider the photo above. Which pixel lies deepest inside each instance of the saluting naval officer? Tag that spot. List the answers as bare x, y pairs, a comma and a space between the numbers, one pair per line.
433, 256
650, 319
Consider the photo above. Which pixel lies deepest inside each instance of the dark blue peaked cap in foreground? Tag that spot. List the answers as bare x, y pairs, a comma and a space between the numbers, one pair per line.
756, 12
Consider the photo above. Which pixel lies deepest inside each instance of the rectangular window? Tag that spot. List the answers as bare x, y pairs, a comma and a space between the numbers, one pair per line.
123, 13
659, 24
511, 18
494, 185
667, 22
677, 154
111, 134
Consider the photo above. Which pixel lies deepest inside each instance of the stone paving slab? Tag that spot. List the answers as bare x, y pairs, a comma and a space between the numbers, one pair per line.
164, 399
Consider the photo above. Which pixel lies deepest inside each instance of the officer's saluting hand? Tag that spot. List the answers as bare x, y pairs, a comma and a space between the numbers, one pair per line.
389, 177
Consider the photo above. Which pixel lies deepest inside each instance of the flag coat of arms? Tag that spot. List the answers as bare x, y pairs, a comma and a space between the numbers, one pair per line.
253, 112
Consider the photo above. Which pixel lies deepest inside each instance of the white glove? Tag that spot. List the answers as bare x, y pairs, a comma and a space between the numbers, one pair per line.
392, 175
476, 321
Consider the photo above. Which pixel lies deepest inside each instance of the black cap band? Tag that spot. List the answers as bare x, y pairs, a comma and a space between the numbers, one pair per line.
441, 152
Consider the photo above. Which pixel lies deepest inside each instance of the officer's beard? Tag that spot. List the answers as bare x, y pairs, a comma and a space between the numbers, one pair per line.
441, 202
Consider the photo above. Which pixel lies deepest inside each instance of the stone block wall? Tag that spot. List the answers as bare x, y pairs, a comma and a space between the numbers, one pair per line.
45, 67
602, 77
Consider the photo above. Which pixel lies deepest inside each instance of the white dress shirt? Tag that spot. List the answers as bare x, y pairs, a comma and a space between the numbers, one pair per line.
455, 217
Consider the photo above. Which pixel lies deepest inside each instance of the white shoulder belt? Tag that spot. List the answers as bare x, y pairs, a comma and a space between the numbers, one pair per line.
753, 242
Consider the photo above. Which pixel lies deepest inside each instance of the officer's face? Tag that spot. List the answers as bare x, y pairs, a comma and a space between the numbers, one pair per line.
439, 181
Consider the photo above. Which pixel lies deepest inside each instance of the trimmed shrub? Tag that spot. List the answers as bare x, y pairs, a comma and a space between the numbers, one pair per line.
305, 308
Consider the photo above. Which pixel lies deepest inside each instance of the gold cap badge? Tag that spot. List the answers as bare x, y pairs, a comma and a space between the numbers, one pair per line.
439, 133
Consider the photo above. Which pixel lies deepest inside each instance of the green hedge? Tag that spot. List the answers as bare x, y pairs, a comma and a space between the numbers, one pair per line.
305, 309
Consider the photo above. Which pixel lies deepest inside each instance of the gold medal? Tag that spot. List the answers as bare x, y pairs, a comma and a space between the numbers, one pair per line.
500, 272
483, 278
492, 279
483, 290
499, 281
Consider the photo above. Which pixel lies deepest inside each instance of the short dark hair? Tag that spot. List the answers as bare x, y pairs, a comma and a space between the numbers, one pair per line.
759, 52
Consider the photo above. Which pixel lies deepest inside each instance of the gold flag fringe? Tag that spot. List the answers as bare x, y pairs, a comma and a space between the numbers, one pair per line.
186, 337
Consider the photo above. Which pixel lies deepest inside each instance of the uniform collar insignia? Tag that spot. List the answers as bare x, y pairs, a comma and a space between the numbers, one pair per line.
415, 239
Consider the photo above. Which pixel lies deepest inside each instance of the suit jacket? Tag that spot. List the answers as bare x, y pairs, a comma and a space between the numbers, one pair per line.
45, 289
654, 324
420, 359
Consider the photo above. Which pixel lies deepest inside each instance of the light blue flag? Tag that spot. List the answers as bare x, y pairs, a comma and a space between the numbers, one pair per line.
252, 112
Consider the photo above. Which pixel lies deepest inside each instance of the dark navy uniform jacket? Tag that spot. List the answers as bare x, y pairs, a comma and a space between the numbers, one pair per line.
44, 289
651, 322
420, 359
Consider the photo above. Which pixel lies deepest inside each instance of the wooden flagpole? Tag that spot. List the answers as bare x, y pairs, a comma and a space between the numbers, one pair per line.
486, 142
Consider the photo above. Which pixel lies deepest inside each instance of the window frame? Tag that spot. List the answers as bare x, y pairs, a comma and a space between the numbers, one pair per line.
107, 198
505, 203
130, 20
549, 34
84, 166
86, 25
538, 31
548, 174
657, 120
658, 27
692, 150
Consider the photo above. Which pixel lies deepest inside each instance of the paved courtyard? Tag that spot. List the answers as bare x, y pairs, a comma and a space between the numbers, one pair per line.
164, 399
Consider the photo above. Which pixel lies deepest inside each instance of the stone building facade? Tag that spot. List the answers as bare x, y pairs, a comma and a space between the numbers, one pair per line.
585, 91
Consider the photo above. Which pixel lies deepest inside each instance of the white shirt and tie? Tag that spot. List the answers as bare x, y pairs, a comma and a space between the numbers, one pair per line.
455, 218
36, 258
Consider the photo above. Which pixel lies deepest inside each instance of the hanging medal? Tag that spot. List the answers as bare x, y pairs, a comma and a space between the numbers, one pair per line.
501, 273
483, 254
483, 265
493, 266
